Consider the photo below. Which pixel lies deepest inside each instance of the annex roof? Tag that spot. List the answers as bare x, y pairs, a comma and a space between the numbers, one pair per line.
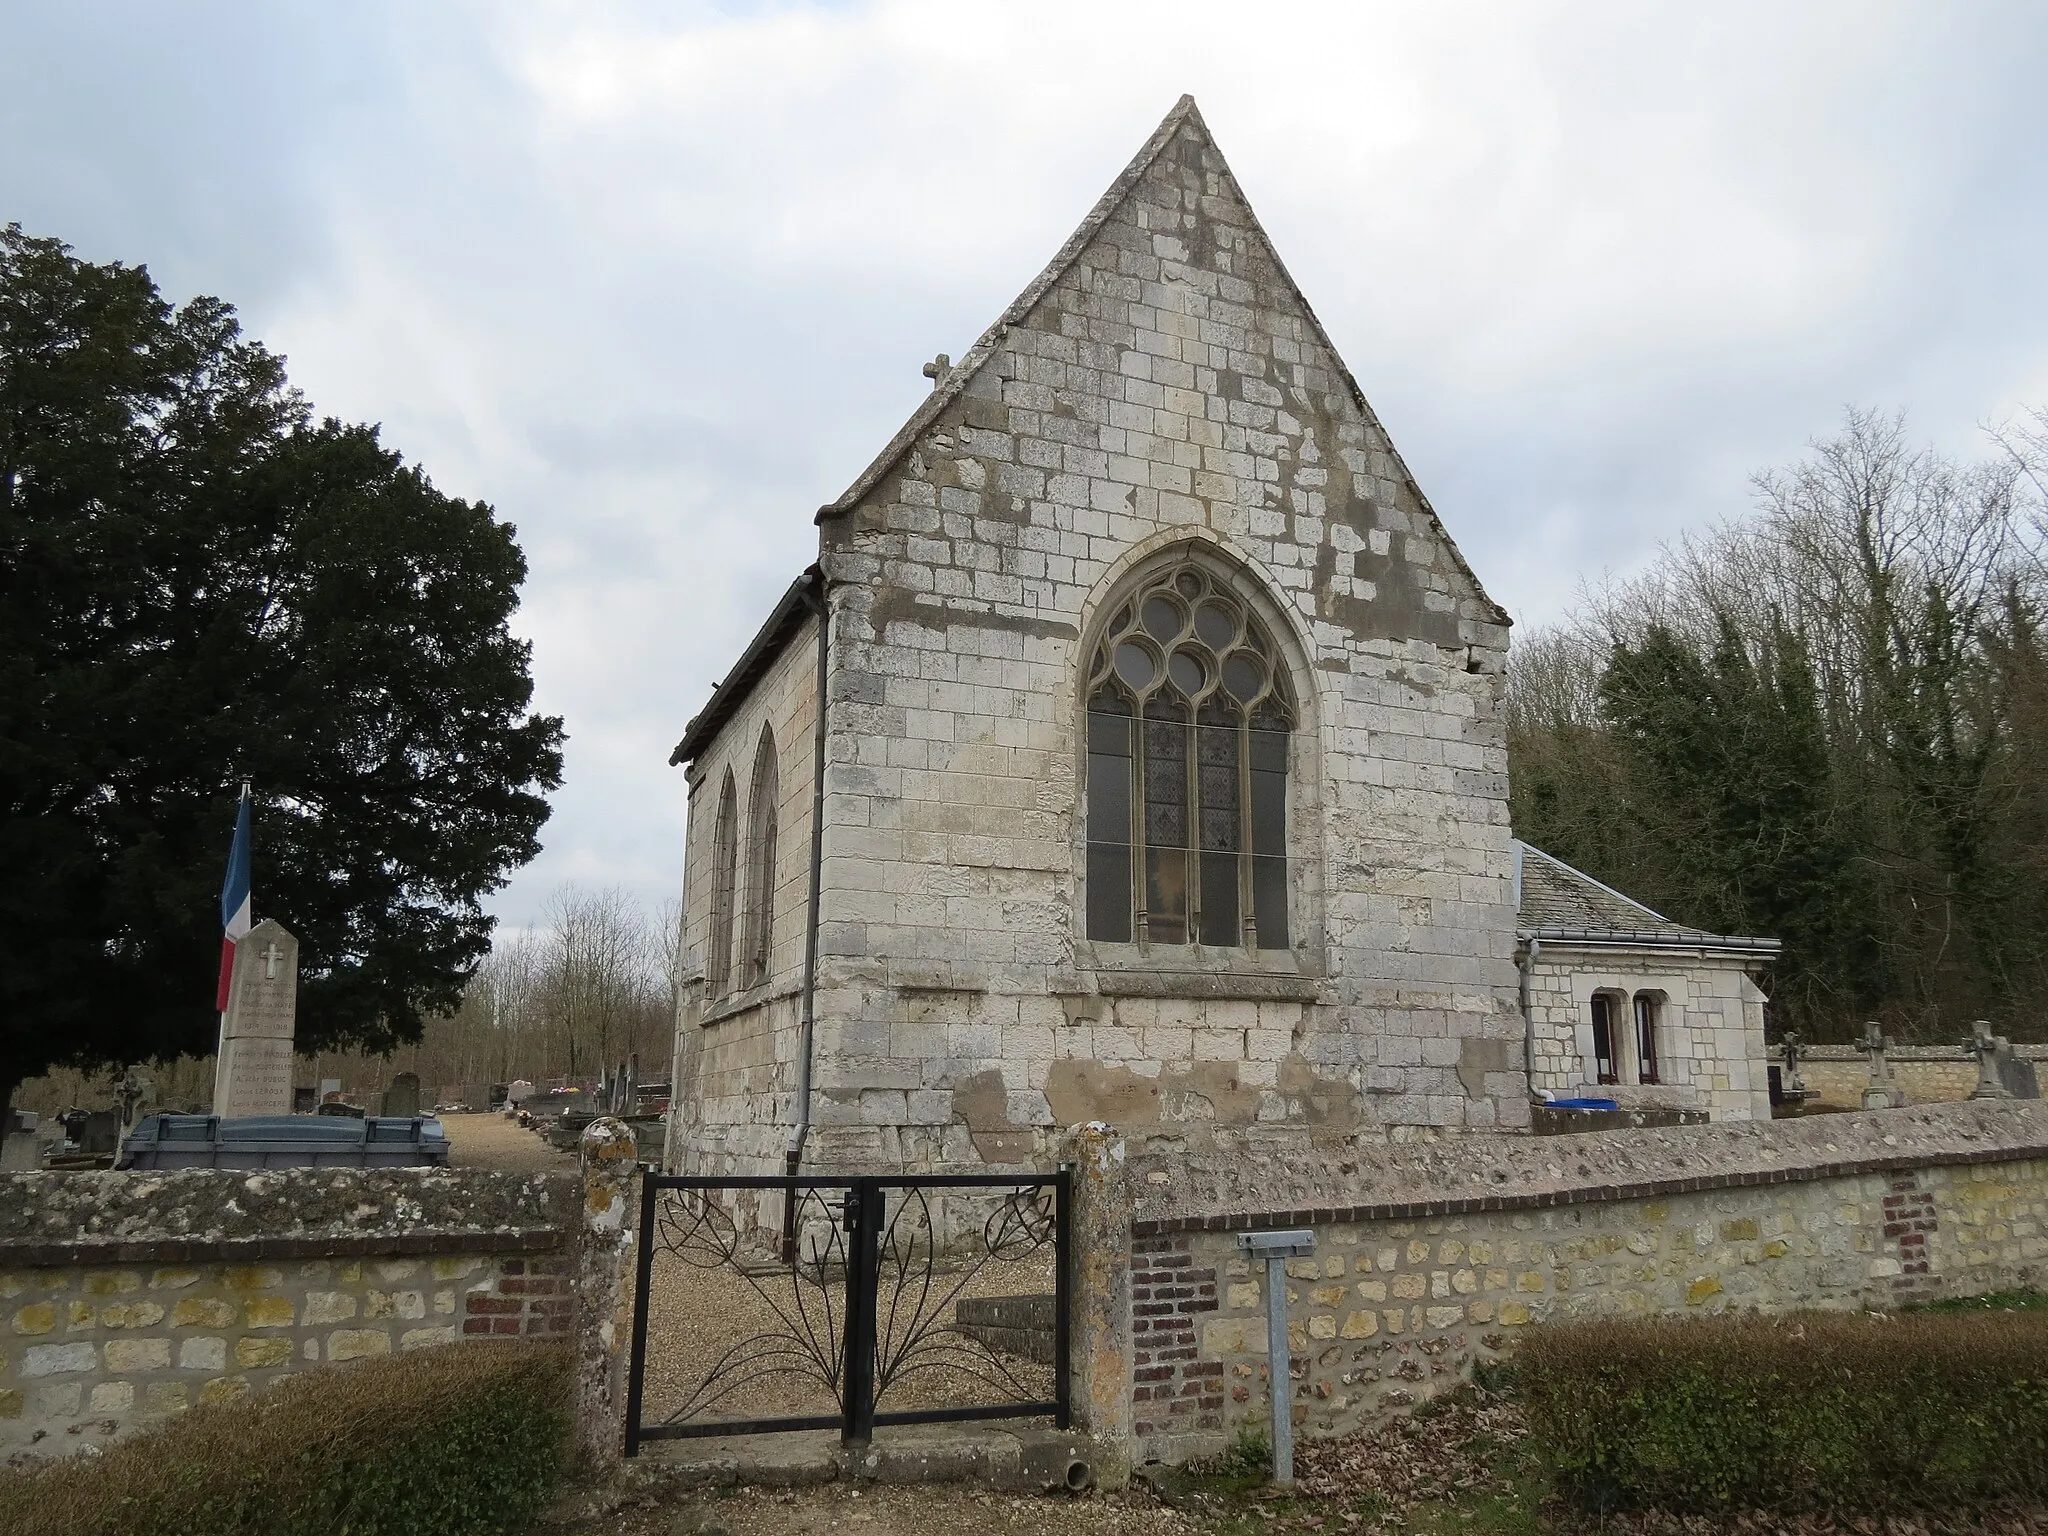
1556, 902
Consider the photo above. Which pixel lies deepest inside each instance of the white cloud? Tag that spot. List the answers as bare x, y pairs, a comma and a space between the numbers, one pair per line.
656, 280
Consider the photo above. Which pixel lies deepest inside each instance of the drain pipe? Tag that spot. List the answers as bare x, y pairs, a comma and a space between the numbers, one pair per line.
800, 1132
1526, 965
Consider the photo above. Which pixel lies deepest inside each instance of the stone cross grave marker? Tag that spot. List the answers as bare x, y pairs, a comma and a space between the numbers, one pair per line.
253, 1073
1983, 1045
1795, 1081
1882, 1093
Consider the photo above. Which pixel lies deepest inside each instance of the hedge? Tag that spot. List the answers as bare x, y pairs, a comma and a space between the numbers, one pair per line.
458, 1440
1811, 1410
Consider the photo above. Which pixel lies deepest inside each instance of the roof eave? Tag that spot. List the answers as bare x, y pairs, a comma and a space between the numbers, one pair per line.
790, 610
1675, 938
950, 388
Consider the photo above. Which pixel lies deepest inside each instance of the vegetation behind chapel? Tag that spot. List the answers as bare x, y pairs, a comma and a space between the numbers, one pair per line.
1826, 723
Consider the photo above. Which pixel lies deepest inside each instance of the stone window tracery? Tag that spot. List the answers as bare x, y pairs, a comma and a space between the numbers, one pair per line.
1189, 719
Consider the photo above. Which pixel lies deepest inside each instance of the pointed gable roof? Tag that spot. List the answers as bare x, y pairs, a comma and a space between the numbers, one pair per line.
1185, 116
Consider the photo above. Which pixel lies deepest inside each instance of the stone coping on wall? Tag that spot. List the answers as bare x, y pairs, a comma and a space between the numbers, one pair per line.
1857, 1054
198, 1215
1470, 1173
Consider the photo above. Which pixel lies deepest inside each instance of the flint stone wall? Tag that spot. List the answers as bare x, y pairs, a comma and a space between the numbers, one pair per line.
1430, 1258
129, 1296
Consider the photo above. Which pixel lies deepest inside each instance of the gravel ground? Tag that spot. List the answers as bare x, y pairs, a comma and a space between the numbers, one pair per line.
932, 1511
492, 1141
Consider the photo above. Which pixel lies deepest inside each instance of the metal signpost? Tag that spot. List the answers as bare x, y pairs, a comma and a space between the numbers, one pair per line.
1276, 1248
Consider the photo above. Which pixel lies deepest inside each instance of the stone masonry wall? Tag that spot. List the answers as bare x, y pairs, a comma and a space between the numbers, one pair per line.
1710, 1036
125, 1297
735, 1055
1163, 386
1409, 1287
1838, 1074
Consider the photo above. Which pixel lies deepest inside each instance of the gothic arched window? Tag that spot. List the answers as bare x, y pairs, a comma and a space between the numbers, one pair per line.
1189, 713
724, 850
761, 817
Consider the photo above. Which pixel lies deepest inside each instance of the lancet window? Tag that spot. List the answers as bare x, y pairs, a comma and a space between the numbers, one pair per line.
762, 800
724, 850
1189, 719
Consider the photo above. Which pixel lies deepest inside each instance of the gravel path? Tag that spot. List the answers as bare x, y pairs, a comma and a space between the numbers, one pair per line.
492, 1141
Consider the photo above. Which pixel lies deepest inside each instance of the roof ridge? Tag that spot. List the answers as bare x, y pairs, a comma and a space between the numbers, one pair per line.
956, 380
948, 389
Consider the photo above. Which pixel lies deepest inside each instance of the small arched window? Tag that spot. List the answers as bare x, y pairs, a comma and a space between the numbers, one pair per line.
1189, 715
1648, 1006
761, 818
724, 850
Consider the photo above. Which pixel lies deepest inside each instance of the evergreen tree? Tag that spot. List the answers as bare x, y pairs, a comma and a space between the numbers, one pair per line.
201, 584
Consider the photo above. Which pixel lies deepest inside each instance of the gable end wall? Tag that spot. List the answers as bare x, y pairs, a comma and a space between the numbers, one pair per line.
1169, 385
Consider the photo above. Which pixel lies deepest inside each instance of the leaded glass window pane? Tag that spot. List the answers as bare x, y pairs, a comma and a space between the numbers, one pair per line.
1188, 730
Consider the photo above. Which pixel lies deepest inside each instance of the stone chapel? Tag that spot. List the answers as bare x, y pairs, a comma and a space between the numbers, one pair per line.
1132, 752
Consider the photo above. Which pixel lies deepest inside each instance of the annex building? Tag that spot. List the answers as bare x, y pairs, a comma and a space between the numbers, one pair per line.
1132, 752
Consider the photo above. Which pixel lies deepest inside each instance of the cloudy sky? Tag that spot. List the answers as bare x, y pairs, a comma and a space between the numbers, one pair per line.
657, 280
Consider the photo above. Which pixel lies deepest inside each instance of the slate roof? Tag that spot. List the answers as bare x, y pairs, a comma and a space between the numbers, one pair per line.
1554, 901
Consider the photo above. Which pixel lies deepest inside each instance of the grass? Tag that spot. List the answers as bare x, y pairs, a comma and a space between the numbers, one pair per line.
1994, 1301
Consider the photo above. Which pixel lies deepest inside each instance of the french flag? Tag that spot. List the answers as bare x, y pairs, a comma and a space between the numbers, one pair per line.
234, 900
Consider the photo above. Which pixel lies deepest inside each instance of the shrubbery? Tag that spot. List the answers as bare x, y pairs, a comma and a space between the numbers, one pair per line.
455, 1441
1814, 1410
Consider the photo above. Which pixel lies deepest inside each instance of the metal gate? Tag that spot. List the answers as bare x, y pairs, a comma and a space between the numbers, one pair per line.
849, 1303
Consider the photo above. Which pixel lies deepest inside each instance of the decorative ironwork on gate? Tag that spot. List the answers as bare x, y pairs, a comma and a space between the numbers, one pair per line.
860, 1303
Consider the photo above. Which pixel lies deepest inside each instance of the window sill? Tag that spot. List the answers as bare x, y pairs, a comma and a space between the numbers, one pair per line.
737, 1003
1172, 970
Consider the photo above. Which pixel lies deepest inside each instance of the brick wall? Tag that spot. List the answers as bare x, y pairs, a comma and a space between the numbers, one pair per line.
1430, 1259
530, 1297
1173, 1390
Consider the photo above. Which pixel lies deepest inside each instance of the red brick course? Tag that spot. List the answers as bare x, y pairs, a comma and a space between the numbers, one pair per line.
1174, 1393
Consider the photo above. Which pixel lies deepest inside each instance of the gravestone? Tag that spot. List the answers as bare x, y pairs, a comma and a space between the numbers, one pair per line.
1984, 1045
403, 1096
2016, 1072
1883, 1093
253, 1075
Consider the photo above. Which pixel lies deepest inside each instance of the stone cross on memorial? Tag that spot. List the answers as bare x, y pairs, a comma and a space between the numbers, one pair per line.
1983, 1045
253, 1073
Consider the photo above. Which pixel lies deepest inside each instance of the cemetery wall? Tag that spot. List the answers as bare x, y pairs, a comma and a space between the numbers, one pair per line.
129, 1296
1430, 1258
1934, 1074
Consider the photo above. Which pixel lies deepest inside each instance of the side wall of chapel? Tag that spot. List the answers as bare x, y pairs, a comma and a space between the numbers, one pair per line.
1170, 386
735, 1060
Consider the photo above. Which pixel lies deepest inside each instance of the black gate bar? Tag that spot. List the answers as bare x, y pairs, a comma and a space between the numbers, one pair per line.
864, 1214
